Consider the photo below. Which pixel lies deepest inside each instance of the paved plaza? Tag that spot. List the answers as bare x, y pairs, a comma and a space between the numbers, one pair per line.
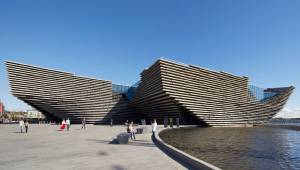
94, 148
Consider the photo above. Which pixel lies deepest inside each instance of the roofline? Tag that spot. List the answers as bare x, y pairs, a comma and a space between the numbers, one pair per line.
73, 74
190, 65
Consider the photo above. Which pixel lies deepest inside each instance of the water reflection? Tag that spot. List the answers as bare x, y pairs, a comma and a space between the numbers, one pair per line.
239, 148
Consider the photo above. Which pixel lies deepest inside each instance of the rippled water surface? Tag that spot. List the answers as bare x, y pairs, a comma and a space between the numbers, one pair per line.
259, 148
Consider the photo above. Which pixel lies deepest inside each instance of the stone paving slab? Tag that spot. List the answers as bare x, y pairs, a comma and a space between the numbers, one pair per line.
94, 148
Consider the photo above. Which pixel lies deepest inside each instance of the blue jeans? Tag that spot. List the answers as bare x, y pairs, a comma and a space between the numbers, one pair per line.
132, 135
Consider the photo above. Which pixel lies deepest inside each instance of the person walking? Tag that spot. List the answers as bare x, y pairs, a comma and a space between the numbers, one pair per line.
165, 122
126, 123
68, 122
154, 127
83, 123
26, 126
63, 125
21, 123
177, 122
171, 122
130, 130
111, 122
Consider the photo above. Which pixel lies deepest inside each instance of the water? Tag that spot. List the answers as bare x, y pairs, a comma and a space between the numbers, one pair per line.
285, 123
257, 148
278, 121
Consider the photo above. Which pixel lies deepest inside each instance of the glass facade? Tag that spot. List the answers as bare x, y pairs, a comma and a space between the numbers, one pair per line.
119, 88
269, 95
259, 93
127, 90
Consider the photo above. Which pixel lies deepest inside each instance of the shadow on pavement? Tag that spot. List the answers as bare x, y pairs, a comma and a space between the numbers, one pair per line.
118, 167
131, 142
103, 153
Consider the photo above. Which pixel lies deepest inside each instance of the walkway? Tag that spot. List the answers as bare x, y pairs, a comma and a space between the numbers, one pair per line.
46, 148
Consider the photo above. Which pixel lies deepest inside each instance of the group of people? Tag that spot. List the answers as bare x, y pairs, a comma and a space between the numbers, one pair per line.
24, 125
131, 132
169, 121
67, 123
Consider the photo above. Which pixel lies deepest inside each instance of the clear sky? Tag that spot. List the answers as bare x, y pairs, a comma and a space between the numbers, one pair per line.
116, 39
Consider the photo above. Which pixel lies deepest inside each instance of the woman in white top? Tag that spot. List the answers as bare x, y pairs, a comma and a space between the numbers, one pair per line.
68, 122
130, 129
154, 126
21, 123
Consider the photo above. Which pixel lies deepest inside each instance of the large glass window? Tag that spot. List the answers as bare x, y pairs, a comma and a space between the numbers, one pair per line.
259, 93
127, 90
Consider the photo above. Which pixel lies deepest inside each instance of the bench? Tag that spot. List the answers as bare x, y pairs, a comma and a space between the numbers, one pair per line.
123, 138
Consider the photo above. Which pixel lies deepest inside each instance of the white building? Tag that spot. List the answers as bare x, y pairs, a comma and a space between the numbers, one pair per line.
34, 114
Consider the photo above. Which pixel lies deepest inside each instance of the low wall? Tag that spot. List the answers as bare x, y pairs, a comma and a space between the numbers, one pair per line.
187, 160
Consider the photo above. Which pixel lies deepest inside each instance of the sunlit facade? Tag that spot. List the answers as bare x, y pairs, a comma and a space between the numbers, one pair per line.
167, 89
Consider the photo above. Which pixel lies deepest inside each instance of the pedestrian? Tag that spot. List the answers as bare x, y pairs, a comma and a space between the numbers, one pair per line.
68, 124
21, 123
126, 123
63, 124
83, 123
171, 122
154, 127
111, 122
130, 130
26, 126
165, 122
143, 121
177, 122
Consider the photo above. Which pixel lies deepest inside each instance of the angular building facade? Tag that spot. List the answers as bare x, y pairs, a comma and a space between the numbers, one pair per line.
171, 89
167, 89
60, 95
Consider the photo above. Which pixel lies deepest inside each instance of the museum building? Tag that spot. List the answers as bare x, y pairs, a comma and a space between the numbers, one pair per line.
167, 89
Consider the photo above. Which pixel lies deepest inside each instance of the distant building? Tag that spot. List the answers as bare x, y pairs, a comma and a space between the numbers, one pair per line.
34, 114
15, 115
2, 108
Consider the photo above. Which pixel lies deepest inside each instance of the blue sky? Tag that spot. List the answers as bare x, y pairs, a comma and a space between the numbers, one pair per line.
115, 40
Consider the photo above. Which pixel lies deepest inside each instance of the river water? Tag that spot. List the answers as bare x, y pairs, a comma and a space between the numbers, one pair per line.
255, 148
